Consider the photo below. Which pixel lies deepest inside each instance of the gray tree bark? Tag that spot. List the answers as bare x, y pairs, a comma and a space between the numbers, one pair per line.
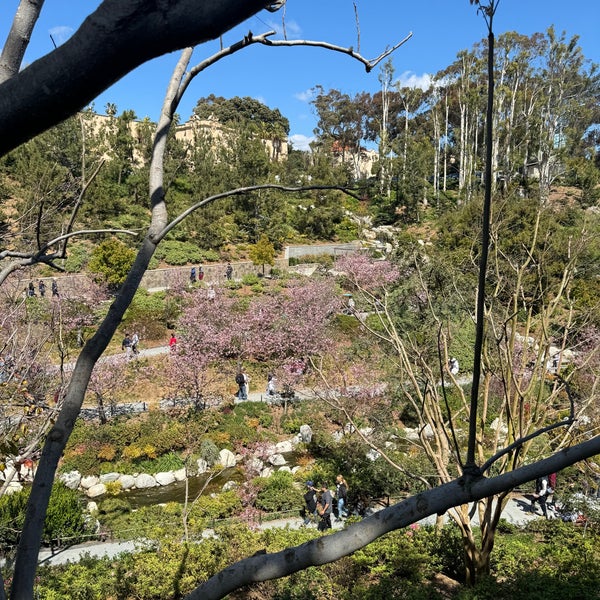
18, 38
330, 548
118, 37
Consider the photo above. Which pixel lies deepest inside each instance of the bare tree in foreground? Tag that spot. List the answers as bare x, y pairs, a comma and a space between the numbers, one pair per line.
26, 558
116, 38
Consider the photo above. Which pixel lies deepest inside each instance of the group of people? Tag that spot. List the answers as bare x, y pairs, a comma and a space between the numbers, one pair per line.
42, 288
319, 501
129, 345
196, 276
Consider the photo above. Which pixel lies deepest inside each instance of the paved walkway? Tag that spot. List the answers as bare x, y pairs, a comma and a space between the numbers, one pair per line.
517, 512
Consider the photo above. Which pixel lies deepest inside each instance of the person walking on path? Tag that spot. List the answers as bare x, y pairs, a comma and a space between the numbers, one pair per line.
173, 342
54, 288
31, 290
228, 271
310, 500
135, 340
200, 273
325, 508
240, 379
42, 288
193, 275
270, 384
341, 493
541, 492
126, 345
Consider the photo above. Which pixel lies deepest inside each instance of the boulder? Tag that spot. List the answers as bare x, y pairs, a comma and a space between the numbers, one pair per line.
285, 446
144, 481
306, 434
276, 460
127, 482
87, 482
13, 486
229, 485
227, 458
285, 468
255, 464
373, 455
91, 507
165, 478
180, 475
72, 479
267, 472
109, 477
202, 466
96, 490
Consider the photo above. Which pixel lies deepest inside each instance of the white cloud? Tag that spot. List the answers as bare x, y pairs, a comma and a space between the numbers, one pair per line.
61, 34
412, 80
305, 96
300, 142
292, 29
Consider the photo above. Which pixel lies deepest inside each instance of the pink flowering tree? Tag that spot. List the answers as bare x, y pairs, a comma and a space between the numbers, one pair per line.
282, 329
109, 379
210, 330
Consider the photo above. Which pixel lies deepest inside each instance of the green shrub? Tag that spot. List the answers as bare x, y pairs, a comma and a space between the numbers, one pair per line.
111, 261
65, 515
147, 314
78, 256
179, 253
250, 279
12, 517
278, 493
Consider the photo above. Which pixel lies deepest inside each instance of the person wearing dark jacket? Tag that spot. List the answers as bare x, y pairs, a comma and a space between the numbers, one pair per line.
325, 508
310, 499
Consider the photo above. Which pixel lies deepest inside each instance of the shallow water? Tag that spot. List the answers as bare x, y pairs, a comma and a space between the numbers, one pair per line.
175, 492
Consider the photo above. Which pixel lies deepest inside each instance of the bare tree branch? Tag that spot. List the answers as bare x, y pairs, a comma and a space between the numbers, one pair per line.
330, 548
115, 39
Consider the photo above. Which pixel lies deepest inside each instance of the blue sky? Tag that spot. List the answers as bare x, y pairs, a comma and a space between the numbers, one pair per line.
282, 78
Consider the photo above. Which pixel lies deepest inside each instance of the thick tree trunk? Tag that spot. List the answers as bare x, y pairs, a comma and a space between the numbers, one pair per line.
115, 39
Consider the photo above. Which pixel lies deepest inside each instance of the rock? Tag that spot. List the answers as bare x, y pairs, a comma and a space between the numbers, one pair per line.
13, 486
127, 482
109, 477
96, 490
306, 434
144, 481
165, 478
337, 436
227, 458
87, 482
202, 466
296, 469
91, 507
283, 447
276, 460
180, 475
72, 479
229, 485
267, 472
285, 468
255, 464
372, 455
495, 425
428, 432
411, 434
